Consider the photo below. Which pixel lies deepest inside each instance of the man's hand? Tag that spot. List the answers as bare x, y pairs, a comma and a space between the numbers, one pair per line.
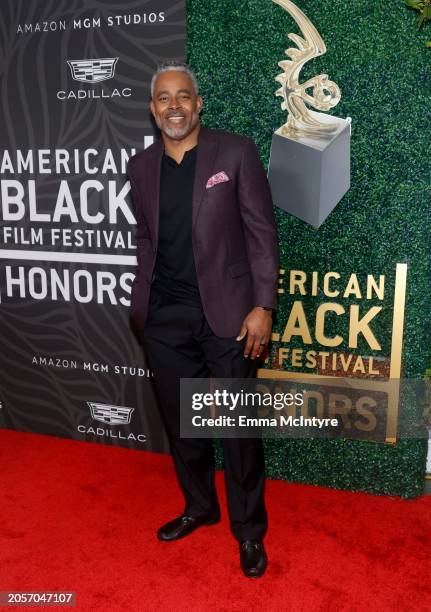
257, 325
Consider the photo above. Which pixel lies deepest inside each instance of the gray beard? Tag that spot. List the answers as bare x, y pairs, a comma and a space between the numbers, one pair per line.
179, 133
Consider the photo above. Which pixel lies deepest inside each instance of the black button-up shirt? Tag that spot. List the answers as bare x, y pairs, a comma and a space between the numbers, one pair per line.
175, 272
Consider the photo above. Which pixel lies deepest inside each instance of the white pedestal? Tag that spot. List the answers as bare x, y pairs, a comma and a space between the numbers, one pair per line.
309, 176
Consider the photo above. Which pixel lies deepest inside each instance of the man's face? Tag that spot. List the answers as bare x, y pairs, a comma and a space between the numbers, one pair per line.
175, 105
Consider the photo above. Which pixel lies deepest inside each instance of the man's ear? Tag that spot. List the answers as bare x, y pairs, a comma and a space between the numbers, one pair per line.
152, 108
199, 103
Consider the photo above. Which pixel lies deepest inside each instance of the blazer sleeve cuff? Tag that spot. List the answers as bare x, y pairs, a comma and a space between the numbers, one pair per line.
268, 301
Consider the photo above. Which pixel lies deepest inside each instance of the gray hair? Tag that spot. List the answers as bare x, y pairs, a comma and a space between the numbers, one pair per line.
174, 65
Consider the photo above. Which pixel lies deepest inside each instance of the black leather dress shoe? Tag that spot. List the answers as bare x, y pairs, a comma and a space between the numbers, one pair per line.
182, 526
253, 558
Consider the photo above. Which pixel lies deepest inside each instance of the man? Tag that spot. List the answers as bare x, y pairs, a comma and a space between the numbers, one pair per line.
204, 293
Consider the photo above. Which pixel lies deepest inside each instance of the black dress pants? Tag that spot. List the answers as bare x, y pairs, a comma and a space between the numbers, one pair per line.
178, 343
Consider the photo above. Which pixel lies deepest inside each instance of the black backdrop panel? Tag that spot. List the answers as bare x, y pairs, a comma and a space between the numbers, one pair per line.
75, 85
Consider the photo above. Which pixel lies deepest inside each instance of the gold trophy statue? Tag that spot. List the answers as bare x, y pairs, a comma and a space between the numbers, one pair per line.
309, 167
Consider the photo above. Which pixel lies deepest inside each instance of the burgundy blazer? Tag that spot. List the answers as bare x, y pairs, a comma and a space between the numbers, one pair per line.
234, 236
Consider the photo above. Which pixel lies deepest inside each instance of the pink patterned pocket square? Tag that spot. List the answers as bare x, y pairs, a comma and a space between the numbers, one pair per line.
215, 179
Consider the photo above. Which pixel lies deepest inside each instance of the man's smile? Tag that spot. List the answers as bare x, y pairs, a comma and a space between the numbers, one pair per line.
176, 118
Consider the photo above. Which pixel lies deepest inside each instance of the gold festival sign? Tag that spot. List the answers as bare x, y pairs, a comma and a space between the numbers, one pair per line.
343, 373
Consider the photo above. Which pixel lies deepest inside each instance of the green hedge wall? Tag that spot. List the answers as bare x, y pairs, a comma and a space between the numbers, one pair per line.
377, 57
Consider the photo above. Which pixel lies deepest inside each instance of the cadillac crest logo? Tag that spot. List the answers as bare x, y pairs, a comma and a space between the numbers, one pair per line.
113, 415
108, 414
93, 70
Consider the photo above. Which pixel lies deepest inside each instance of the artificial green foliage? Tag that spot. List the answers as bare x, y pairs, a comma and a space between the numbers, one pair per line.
384, 76
426, 402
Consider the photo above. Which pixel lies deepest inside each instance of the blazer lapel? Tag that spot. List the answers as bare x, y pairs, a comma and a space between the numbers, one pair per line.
154, 169
206, 153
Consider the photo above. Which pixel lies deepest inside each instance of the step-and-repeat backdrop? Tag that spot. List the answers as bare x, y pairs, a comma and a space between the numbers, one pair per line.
75, 86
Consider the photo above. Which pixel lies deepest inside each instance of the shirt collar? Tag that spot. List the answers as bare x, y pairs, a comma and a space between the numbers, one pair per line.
187, 154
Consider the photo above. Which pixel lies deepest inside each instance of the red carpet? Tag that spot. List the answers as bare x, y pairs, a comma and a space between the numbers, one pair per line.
82, 517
